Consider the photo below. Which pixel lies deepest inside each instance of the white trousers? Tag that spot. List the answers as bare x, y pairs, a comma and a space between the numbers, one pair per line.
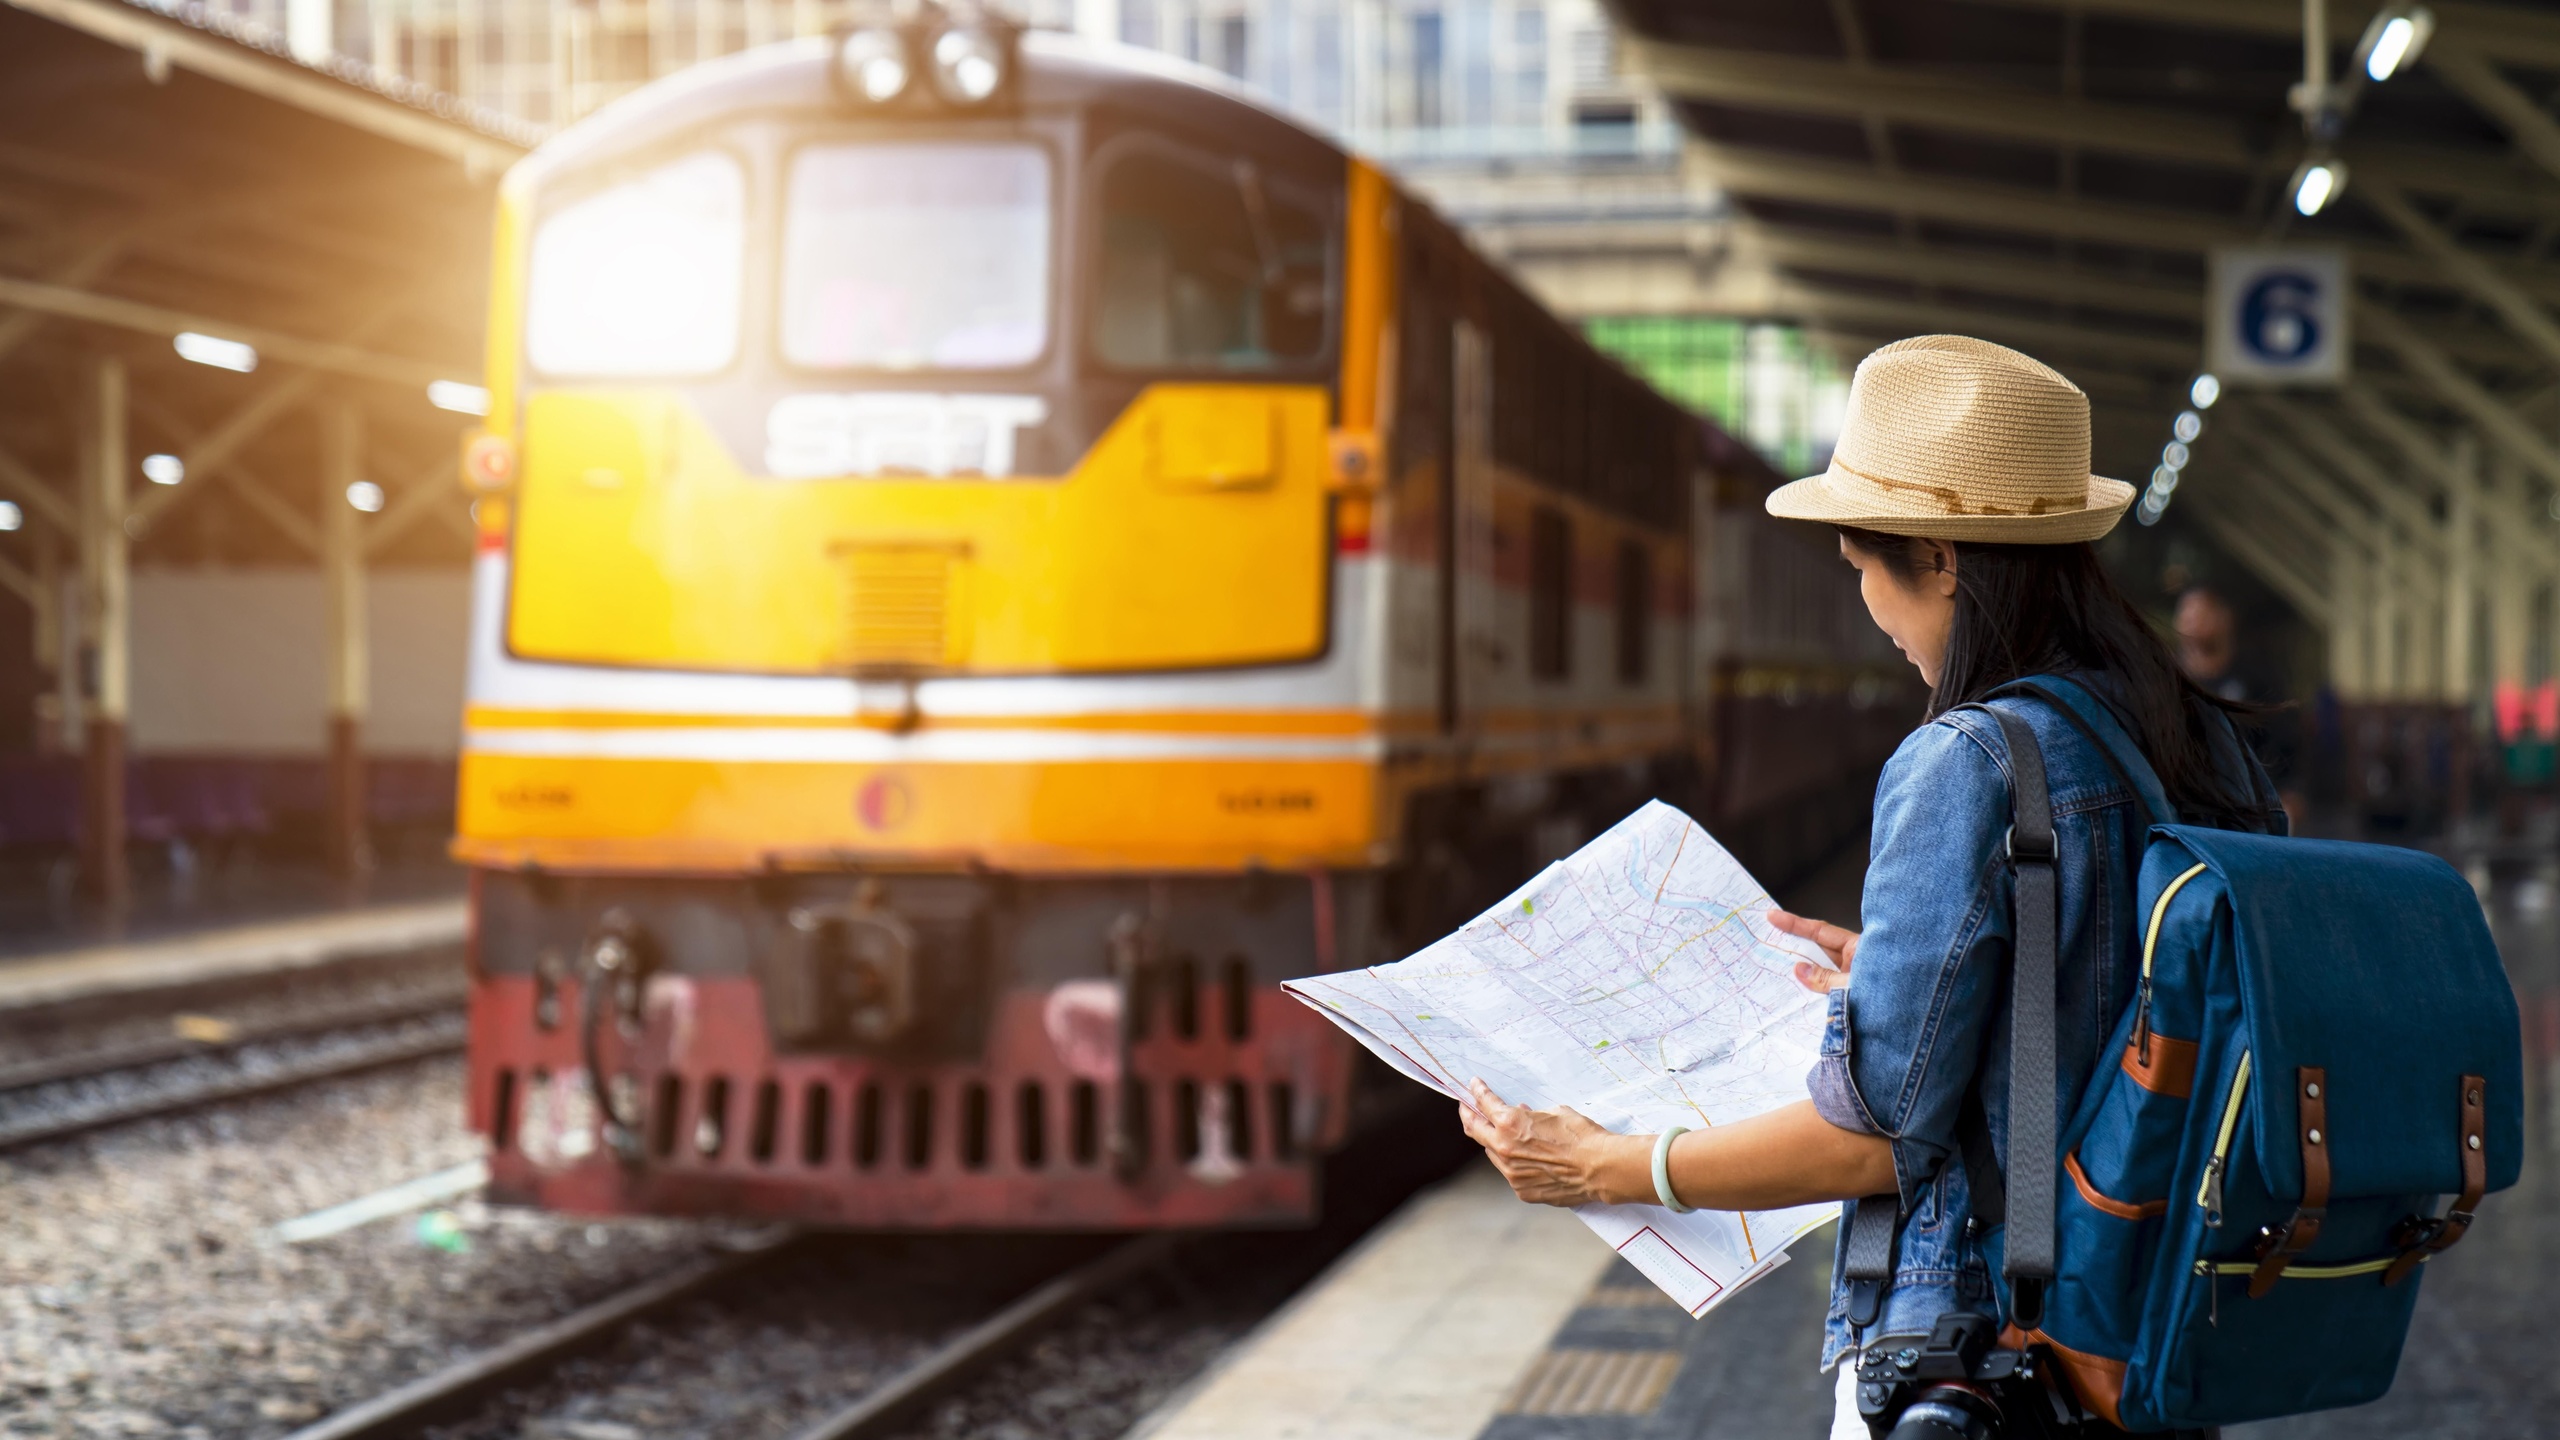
1846, 1422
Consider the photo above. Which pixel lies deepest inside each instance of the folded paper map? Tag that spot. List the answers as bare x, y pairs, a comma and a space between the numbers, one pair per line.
1638, 981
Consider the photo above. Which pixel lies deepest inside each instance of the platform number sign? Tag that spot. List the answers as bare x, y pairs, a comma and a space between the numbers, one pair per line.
2278, 317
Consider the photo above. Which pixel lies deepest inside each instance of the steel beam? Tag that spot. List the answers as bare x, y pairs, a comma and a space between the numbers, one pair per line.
22, 484
93, 260
1805, 85
2473, 73
2520, 535
2524, 315
2377, 323
122, 314
245, 484
432, 492
342, 97
1821, 303
2384, 495
21, 583
216, 448
1746, 171
2235, 536
2058, 284
2302, 508
2512, 31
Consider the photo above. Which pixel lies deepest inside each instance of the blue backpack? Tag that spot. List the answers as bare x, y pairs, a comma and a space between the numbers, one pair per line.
2324, 1046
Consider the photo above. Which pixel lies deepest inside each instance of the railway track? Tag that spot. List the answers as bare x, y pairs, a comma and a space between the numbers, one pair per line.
57, 1097
1228, 1278
458, 1388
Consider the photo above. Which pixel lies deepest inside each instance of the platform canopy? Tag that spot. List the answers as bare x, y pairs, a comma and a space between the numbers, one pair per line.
2059, 174
174, 171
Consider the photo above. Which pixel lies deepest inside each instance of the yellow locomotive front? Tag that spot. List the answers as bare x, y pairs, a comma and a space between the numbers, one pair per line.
993, 555
908, 735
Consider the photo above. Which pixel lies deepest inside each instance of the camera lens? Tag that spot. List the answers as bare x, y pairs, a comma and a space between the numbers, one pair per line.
1948, 1412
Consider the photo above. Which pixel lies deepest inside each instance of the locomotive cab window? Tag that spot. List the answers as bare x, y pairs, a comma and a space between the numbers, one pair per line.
1210, 266
1550, 594
1635, 612
917, 256
643, 276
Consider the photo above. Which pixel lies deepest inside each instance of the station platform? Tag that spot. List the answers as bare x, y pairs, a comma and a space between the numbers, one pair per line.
211, 957
1470, 1316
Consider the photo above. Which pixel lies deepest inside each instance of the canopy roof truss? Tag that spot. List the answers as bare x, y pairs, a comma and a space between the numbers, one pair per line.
2055, 173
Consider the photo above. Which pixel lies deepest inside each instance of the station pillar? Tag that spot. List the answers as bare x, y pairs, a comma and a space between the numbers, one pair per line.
106, 600
2510, 596
342, 565
2461, 571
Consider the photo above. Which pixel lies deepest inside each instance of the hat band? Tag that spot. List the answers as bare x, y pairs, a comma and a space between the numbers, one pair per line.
1951, 501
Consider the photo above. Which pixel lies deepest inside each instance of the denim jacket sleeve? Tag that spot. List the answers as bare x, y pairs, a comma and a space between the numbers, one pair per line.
1906, 1036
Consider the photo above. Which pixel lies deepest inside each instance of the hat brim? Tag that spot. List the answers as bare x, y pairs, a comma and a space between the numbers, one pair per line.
1815, 498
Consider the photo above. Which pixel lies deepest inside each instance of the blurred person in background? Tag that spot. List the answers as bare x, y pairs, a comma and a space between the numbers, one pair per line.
2209, 651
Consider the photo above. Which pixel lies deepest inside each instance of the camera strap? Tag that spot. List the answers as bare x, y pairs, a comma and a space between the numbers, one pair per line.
2024, 1197
2035, 1087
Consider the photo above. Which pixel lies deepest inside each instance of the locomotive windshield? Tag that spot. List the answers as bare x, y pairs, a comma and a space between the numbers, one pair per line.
642, 277
1209, 266
916, 256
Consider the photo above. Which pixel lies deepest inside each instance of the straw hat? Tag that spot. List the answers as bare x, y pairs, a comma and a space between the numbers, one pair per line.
1955, 438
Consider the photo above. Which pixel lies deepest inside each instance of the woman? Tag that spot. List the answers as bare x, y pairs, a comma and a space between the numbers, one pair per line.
1962, 496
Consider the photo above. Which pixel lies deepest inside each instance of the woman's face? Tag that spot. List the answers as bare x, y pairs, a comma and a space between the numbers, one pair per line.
1917, 616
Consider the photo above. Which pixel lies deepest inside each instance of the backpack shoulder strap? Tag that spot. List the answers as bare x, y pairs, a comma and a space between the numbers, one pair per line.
2098, 722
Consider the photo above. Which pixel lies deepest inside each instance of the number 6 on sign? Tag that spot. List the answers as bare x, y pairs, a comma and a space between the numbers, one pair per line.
2278, 316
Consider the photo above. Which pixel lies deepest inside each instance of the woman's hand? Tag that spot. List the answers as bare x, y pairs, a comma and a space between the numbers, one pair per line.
1841, 945
1553, 1157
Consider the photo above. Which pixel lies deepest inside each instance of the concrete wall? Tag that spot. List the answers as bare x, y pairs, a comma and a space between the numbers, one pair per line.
233, 662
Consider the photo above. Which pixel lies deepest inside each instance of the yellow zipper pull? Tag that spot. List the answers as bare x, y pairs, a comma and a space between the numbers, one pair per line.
2209, 1194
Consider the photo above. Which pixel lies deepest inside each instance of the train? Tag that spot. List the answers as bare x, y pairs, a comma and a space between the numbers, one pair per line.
994, 551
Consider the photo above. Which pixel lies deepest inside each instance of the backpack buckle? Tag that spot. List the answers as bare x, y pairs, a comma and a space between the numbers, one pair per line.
2047, 850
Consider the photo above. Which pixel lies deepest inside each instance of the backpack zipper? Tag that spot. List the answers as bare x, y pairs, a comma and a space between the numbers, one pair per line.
2151, 939
2298, 1272
2209, 1194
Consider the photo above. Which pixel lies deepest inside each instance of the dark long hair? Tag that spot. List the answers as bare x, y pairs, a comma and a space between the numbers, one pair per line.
2035, 609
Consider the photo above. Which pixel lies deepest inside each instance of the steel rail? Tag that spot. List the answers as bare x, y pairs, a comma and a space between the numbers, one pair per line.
53, 1069
392, 1051
434, 1398
986, 1342
422, 1401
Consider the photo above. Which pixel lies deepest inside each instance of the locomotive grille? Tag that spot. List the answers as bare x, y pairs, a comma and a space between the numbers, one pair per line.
898, 606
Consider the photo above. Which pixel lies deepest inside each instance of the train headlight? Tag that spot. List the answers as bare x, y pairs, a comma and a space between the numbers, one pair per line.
872, 65
968, 65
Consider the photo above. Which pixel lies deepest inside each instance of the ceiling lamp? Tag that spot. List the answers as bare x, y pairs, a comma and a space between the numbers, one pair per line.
2316, 183
2394, 40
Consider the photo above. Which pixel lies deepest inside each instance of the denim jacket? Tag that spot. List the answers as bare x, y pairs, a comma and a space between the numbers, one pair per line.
1925, 1015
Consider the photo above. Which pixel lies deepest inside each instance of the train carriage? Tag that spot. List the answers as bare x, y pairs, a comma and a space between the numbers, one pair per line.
994, 552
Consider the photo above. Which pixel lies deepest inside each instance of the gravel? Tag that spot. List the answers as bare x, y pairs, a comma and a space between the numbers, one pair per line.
136, 1297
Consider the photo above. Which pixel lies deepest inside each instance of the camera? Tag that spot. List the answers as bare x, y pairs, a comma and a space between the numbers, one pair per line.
1955, 1384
